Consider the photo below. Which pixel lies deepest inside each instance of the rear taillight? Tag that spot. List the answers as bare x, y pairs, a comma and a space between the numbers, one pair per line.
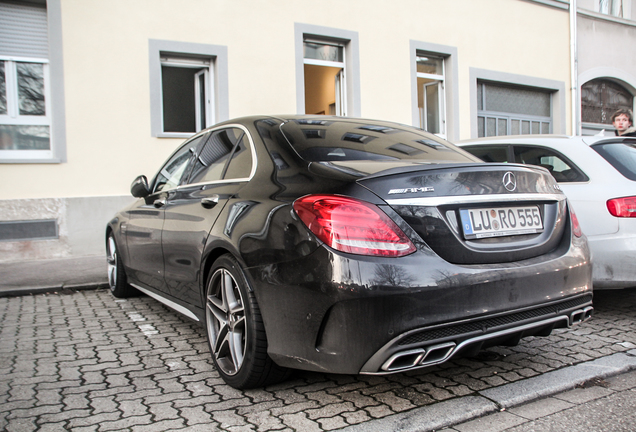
576, 228
352, 226
622, 207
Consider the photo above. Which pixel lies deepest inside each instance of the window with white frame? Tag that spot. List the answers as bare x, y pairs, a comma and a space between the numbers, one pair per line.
25, 120
186, 93
504, 109
611, 7
188, 87
431, 95
324, 73
25, 84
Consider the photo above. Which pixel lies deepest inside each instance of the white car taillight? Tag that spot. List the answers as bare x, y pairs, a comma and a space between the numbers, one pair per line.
622, 207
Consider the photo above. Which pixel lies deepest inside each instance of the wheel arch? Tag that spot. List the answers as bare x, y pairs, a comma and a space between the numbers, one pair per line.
208, 262
113, 228
109, 231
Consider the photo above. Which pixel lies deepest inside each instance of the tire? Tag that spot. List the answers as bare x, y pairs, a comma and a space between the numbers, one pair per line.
117, 280
236, 334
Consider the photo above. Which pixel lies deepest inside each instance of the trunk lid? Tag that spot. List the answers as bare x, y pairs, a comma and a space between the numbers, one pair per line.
477, 213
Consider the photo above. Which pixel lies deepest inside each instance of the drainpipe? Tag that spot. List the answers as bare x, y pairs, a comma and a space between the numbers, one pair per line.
574, 81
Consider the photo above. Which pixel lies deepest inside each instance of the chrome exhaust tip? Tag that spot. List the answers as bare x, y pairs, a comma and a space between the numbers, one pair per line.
581, 315
419, 357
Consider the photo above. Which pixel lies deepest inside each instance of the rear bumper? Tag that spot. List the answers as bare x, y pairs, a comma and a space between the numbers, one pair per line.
614, 258
429, 346
343, 313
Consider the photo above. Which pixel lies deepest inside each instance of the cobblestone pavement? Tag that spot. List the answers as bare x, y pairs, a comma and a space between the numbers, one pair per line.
85, 361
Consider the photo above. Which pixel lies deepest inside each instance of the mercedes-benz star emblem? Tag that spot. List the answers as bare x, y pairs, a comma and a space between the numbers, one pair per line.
509, 181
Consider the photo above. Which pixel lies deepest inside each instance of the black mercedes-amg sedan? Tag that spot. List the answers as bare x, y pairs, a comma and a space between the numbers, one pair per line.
348, 246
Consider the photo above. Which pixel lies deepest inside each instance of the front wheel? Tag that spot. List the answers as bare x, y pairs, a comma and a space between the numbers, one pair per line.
117, 281
235, 329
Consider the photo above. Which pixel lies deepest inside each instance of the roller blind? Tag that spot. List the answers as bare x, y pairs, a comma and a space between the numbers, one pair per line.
23, 31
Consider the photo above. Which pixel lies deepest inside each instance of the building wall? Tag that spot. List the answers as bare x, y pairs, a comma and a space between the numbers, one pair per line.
105, 48
605, 51
81, 226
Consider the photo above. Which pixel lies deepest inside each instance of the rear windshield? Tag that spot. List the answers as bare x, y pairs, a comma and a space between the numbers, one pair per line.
621, 155
345, 140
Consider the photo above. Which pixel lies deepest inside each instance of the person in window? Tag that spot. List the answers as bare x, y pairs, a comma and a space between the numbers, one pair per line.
623, 122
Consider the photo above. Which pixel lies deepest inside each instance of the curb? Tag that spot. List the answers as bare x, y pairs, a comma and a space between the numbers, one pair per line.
26, 291
459, 410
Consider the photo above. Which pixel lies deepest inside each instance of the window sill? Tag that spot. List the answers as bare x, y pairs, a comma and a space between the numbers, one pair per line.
175, 134
607, 17
31, 161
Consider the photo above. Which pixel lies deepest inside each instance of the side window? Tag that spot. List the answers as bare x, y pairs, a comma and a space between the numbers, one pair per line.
224, 145
562, 169
175, 170
489, 153
241, 164
622, 156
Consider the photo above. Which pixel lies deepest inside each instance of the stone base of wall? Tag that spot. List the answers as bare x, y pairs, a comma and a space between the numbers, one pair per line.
81, 223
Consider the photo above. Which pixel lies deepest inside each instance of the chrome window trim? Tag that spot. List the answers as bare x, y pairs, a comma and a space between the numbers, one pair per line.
242, 179
234, 180
475, 199
154, 179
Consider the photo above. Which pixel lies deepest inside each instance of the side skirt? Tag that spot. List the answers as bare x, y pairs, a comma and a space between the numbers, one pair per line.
169, 303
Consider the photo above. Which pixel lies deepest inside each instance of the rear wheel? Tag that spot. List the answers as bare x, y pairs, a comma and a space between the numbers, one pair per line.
235, 329
117, 280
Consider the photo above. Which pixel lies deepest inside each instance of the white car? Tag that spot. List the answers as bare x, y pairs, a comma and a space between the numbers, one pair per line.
598, 175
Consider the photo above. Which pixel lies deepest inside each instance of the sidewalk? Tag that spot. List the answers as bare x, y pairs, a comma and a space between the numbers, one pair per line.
35, 277
600, 405
486, 410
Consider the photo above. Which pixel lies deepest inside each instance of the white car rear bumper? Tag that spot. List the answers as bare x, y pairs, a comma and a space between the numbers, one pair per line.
614, 260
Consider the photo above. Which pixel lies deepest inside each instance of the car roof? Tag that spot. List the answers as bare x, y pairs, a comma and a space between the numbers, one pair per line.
549, 140
310, 117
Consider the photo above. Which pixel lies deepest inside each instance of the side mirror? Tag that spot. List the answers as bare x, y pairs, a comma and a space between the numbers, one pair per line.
139, 187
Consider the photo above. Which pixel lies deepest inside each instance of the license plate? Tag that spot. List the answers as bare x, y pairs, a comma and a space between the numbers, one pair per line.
500, 221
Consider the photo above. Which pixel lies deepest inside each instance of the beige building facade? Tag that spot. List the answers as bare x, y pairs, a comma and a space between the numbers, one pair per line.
108, 89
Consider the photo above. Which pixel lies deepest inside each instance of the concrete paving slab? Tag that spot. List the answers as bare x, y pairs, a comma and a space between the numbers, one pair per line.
583, 395
493, 423
541, 408
622, 382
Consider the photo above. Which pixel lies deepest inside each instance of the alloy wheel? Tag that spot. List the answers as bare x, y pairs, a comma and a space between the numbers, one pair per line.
111, 258
226, 321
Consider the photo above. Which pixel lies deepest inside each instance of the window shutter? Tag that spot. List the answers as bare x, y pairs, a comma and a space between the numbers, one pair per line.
23, 31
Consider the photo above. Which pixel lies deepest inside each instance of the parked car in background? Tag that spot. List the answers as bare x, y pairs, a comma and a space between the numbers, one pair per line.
348, 246
598, 175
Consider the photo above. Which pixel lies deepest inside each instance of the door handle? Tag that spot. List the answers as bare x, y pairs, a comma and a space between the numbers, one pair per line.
159, 202
210, 201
